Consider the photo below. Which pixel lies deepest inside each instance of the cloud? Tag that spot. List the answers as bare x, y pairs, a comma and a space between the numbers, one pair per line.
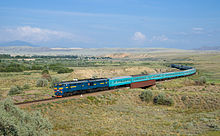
138, 36
160, 38
36, 35
197, 29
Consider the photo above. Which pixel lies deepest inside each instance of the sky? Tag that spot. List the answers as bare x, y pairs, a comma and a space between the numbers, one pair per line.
183, 24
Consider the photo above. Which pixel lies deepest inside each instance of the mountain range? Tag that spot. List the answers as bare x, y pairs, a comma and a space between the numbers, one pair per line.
216, 48
16, 43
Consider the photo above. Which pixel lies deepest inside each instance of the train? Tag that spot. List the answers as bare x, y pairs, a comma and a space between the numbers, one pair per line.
68, 88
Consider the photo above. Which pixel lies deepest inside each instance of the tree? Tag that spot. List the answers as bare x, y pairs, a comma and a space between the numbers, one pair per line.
46, 75
16, 122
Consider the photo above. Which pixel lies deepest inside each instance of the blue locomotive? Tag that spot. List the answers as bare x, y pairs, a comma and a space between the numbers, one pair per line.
91, 85
80, 86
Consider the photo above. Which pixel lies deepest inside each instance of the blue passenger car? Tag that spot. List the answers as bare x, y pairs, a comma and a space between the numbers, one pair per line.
119, 81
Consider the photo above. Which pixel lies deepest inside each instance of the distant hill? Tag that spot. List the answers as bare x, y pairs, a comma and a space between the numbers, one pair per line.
217, 48
113, 52
16, 43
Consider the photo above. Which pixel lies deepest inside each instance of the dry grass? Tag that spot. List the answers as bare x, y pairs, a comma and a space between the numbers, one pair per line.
123, 113
109, 71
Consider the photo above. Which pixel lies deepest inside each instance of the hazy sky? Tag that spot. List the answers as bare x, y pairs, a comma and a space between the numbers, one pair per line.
111, 23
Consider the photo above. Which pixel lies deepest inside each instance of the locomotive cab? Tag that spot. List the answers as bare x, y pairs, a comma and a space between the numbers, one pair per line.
59, 89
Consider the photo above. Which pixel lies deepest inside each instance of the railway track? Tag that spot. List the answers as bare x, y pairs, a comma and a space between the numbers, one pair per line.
35, 101
53, 99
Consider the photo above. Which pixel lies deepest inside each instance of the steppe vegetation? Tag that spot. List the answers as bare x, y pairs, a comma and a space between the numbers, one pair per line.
16, 122
186, 106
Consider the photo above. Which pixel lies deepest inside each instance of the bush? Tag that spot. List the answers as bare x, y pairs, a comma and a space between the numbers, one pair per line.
47, 77
27, 73
15, 90
162, 100
64, 70
45, 71
94, 76
42, 82
16, 122
26, 86
19, 87
12, 67
144, 72
54, 80
146, 96
201, 81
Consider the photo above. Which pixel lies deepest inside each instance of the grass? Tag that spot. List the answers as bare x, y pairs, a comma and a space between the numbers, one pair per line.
123, 113
211, 133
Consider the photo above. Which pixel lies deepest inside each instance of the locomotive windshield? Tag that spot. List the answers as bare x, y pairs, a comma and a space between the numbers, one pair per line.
59, 85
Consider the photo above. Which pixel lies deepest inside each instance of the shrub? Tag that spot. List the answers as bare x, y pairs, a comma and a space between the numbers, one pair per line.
201, 81
19, 87
36, 67
144, 72
47, 77
15, 90
162, 100
42, 82
64, 70
27, 73
213, 83
12, 67
54, 80
16, 122
146, 96
26, 86
94, 76
160, 86
45, 71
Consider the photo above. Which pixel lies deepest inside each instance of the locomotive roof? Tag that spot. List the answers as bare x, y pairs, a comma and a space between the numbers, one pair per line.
83, 80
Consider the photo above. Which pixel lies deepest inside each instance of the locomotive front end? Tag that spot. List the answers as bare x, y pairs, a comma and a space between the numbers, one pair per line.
59, 90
